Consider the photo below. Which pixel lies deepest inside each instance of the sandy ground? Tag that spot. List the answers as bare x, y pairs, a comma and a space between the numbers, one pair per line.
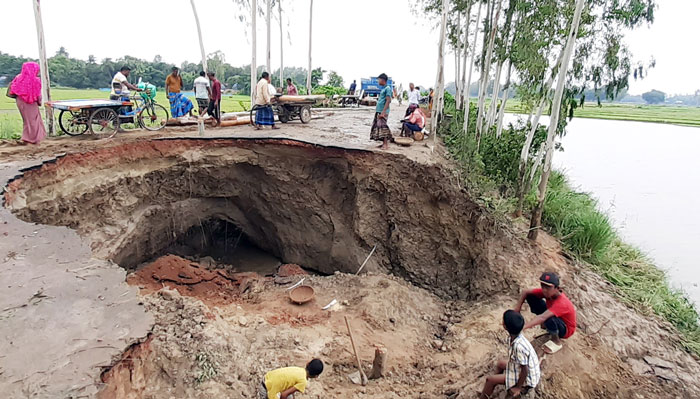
67, 317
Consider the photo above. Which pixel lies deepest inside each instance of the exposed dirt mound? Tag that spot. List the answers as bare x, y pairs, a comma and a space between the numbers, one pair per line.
290, 269
192, 279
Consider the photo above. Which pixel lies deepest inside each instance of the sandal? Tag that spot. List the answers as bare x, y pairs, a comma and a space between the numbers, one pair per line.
551, 348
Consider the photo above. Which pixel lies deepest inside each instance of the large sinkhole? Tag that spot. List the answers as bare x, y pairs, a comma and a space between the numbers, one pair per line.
284, 201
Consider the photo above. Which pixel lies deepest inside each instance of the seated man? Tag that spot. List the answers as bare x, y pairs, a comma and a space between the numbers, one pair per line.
285, 382
554, 311
415, 122
521, 371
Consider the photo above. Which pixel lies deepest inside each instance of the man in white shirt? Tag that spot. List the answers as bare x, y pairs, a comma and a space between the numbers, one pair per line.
121, 85
202, 92
413, 94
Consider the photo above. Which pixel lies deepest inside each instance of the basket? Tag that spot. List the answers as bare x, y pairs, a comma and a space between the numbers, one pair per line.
404, 141
301, 294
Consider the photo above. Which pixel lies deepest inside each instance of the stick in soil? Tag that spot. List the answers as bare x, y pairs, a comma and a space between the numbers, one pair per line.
366, 259
354, 350
379, 363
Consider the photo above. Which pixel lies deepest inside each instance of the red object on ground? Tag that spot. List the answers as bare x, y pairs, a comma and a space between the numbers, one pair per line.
290, 269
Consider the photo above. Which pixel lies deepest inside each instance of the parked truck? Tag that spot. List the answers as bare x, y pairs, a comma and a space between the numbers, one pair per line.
371, 86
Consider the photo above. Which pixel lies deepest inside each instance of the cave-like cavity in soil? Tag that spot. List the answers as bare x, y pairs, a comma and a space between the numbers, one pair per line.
287, 201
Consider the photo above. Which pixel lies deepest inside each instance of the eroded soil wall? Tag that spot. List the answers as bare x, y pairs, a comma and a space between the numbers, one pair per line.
320, 207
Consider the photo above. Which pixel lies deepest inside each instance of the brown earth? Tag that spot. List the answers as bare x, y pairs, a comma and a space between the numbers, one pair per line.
444, 271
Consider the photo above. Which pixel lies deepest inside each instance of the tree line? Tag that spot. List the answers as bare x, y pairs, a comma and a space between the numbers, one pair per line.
66, 71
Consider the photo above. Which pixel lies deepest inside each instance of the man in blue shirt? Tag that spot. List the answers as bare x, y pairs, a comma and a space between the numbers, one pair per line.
380, 129
353, 86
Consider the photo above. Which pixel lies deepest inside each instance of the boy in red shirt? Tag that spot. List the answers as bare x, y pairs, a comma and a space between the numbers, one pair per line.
553, 309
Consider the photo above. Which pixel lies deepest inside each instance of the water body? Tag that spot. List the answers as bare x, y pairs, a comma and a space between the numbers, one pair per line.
646, 177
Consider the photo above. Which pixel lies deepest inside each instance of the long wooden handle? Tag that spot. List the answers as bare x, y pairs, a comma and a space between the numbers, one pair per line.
352, 341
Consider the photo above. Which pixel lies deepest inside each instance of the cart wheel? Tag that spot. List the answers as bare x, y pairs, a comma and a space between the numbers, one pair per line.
153, 117
305, 114
283, 114
252, 115
104, 121
72, 123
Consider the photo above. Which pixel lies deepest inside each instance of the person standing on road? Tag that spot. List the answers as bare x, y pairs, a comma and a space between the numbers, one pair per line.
264, 116
380, 128
553, 309
291, 89
353, 87
214, 108
413, 95
202, 92
179, 104
25, 88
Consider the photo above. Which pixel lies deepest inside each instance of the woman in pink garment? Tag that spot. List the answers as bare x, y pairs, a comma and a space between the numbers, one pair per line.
26, 89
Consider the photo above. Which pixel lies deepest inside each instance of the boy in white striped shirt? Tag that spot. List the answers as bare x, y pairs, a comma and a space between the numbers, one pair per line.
521, 372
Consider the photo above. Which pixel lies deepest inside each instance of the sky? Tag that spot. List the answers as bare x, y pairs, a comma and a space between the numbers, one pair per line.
348, 36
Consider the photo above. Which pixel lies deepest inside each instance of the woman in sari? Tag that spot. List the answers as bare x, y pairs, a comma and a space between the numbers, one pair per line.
26, 89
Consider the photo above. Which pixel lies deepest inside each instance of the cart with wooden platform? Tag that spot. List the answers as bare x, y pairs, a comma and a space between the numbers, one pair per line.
288, 108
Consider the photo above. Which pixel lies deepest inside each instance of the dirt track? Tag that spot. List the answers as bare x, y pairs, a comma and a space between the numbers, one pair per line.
455, 269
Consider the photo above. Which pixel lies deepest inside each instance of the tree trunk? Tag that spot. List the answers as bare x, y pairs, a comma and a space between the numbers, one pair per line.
506, 89
253, 65
463, 78
458, 90
471, 69
268, 54
536, 220
487, 68
491, 114
308, 75
279, 10
527, 183
525, 152
44, 68
440, 78
199, 33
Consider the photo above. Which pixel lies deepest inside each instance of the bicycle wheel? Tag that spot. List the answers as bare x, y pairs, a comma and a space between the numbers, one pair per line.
72, 123
153, 117
104, 121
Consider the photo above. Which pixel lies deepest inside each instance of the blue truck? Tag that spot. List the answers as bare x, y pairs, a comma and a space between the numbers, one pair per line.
371, 86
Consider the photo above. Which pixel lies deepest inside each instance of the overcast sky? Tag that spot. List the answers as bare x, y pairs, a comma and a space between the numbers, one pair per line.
358, 38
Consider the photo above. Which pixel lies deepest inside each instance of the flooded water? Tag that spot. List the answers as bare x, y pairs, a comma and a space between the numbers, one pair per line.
646, 176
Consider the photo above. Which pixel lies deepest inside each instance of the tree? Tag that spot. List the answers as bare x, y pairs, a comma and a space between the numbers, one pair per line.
334, 79
536, 219
654, 97
199, 34
253, 66
439, 93
311, 15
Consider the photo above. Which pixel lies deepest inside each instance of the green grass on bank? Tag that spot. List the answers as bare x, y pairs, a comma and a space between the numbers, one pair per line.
677, 115
572, 217
11, 120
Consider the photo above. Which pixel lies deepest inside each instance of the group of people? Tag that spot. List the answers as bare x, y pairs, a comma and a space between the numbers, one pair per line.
414, 119
518, 373
555, 313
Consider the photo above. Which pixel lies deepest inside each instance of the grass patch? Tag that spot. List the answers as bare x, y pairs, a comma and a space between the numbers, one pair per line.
572, 217
676, 115
10, 126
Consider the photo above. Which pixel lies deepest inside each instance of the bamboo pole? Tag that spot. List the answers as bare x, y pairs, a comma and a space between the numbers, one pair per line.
440, 77
268, 17
199, 33
44, 68
253, 66
279, 11
308, 75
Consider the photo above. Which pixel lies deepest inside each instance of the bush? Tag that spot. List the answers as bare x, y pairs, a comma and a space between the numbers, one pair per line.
329, 91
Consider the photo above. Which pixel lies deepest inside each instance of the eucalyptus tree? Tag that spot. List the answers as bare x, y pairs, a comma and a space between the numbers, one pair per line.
253, 64
268, 20
279, 12
471, 68
486, 67
308, 76
438, 97
199, 34
43, 67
